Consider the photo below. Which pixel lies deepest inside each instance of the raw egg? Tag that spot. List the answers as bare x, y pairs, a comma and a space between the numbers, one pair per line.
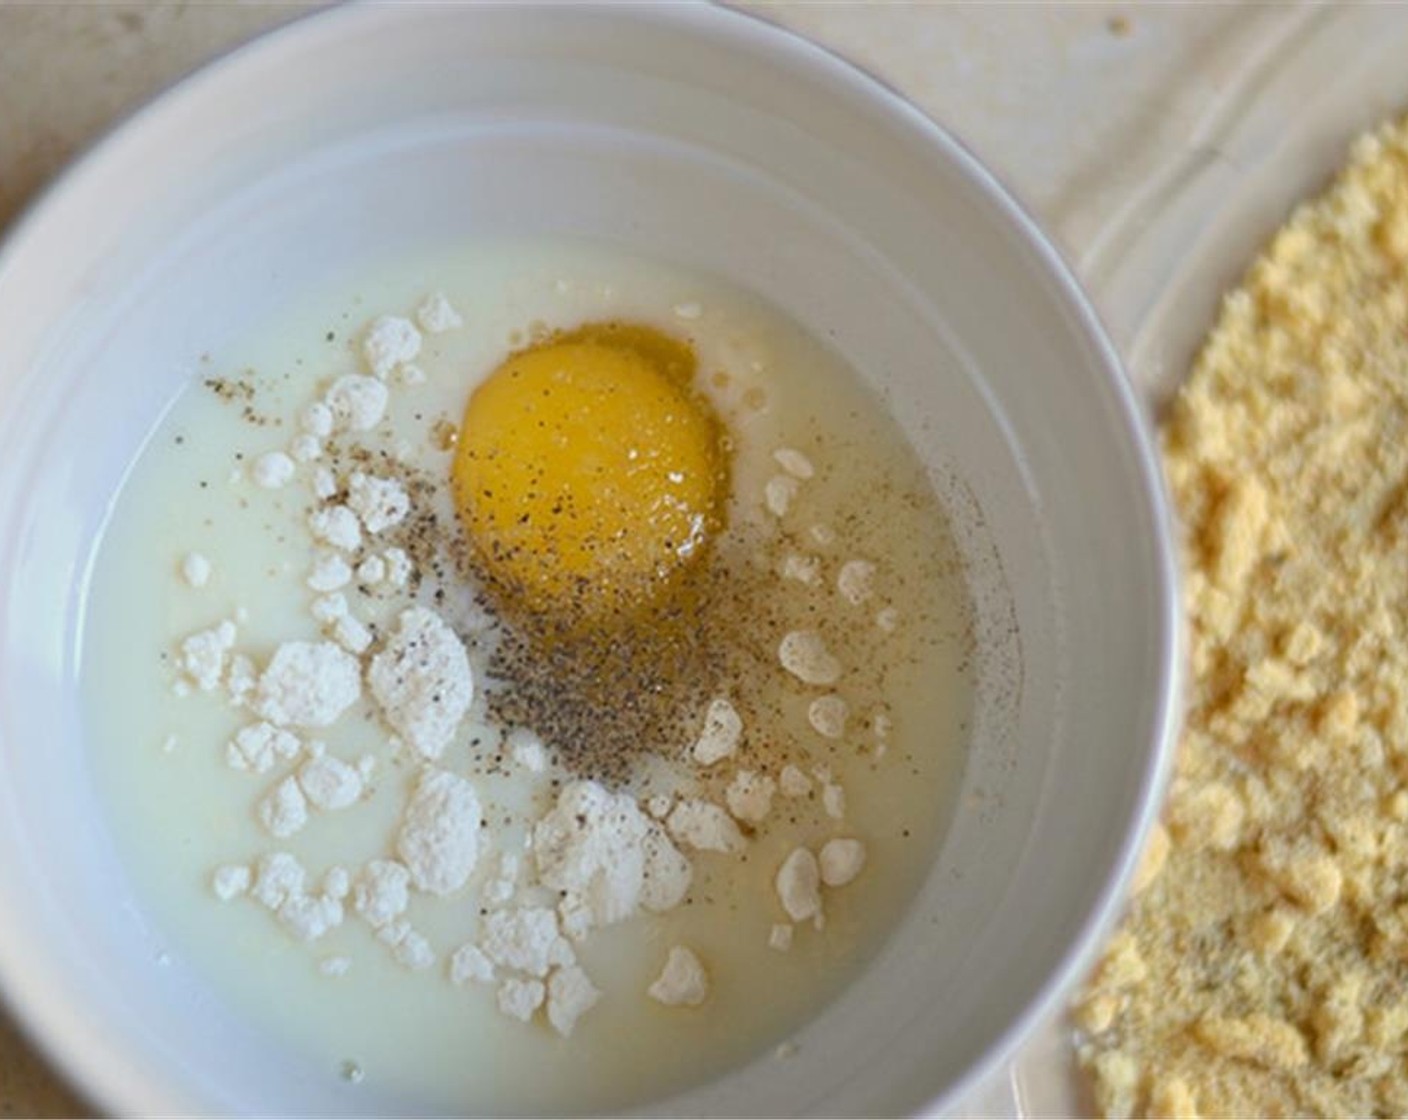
590, 473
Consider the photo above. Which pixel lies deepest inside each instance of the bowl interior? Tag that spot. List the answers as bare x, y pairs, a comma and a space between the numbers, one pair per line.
694, 135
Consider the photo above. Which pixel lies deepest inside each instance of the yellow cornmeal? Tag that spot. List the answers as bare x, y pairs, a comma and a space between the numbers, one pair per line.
1263, 967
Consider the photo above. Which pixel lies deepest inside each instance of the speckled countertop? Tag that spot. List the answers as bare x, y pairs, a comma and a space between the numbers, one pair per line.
1074, 106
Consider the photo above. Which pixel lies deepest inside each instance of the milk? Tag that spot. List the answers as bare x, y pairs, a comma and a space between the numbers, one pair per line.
177, 811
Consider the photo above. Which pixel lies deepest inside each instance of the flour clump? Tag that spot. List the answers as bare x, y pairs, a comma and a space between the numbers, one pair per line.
705, 826
308, 684
593, 846
259, 745
682, 982
439, 837
203, 655
423, 682
526, 940
285, 810
390, 341
571, 994
354, 402
381, 892
330, 783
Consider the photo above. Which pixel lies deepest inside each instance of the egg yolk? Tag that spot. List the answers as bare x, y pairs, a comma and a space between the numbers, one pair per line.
589, 472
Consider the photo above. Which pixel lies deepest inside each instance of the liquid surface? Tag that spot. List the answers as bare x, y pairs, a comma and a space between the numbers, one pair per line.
178, 810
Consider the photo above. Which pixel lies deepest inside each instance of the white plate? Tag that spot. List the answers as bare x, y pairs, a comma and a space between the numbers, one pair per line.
1276, 137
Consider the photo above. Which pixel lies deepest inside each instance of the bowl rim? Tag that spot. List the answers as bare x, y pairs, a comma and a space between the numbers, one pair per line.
47, 1026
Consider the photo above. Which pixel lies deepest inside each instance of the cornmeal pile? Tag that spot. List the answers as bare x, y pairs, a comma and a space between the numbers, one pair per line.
1263, 967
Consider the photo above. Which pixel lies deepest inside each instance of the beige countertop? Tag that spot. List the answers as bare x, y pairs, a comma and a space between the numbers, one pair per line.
1076, 107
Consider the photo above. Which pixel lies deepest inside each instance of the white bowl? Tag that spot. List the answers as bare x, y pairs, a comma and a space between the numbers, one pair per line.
688, 133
